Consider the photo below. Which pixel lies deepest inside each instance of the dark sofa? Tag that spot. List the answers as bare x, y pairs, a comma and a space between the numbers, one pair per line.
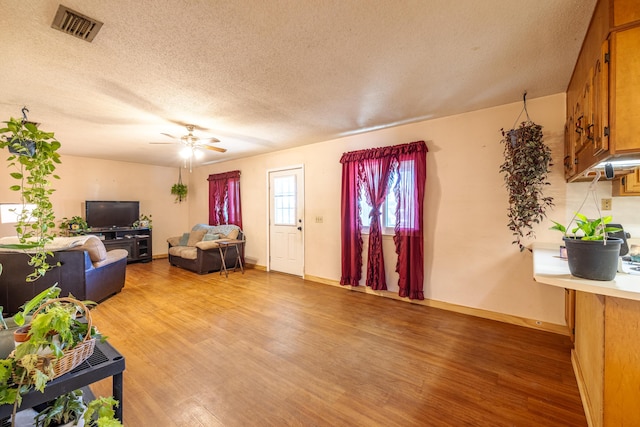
86, 270
194, 250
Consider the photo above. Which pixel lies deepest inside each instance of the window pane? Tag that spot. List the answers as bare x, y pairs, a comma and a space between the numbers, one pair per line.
284, 196
9, 212
365, 209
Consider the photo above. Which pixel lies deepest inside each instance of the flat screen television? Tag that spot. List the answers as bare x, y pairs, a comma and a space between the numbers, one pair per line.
111, 214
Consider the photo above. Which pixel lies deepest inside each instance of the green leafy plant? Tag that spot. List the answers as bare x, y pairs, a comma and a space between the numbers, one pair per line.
525, 169
33, 158
180, 191
587, 229
144, 221
53, 329
77, 224
100, 413
64, 409
70, 407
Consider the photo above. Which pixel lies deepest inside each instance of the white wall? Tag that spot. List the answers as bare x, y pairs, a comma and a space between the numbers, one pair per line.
469, 258
93, 179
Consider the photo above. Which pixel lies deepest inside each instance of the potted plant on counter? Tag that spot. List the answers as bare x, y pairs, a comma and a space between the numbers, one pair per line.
591, 253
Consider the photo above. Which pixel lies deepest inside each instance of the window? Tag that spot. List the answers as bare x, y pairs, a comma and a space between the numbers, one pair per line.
10, 212
284, 195
390, 205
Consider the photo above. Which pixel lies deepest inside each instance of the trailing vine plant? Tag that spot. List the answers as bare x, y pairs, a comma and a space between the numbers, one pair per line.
33, 158
527, 160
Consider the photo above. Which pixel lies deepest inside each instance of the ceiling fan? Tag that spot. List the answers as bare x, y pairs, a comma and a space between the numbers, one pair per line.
192, 145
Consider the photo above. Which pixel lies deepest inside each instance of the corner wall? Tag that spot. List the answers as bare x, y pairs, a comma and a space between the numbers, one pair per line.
94, 179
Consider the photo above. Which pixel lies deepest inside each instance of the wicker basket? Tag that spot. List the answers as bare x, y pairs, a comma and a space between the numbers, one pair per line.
74, 356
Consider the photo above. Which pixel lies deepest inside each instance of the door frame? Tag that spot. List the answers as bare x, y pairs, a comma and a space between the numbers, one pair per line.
268, 219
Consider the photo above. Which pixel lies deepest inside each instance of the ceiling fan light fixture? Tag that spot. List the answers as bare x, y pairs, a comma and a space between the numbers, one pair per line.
198, 154
186, 152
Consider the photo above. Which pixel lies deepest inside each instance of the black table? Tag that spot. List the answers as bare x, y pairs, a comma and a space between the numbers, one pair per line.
104, 362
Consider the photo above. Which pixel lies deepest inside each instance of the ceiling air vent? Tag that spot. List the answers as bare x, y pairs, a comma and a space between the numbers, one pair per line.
74, 23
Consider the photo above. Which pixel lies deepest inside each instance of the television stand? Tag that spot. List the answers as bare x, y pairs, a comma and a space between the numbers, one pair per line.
136, 241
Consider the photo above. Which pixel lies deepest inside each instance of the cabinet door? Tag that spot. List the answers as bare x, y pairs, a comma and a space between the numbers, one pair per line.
625, 11
598, 131
625, 112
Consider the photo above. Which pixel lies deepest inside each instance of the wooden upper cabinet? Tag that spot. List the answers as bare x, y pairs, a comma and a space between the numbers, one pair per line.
603, 96
625, 85
625, 12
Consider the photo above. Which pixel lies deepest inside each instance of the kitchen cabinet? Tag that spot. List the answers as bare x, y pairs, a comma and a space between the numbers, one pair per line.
606, 354
607, 358
627, 185
603, 96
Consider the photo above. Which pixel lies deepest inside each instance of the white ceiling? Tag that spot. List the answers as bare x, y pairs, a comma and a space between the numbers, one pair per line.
265, 75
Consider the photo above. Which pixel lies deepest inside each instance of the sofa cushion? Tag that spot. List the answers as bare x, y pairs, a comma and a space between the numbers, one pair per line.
195, 237
112, 256
183, 240
94, 246
208, 237
233, 234
186, 252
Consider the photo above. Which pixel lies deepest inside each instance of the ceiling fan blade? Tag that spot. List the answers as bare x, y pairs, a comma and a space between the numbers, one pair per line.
212, 139
169, 135
164, 143
218, 149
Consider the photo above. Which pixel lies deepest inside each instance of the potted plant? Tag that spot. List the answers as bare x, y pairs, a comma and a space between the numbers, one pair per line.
144, 221
33, 158
180, 191
591, 254
77, 225
100, 413
69, 410
526, 167
56, 342
66, 410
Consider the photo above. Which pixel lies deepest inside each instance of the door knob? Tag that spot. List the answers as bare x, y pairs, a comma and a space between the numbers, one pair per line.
300, 228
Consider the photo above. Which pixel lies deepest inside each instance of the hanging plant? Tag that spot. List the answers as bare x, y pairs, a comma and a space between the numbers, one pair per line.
33, 159
179, 189
526, 168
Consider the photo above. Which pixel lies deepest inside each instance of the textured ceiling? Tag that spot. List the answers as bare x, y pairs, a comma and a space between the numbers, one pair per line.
265, 75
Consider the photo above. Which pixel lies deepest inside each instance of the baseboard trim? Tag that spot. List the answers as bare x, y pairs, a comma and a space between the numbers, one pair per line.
485, 314
256, 267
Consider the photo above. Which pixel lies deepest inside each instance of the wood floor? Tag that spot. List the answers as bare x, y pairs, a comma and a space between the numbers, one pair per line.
266, 349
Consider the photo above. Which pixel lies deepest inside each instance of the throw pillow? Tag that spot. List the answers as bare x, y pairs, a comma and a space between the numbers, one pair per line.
195, 237
184, 239
208, 237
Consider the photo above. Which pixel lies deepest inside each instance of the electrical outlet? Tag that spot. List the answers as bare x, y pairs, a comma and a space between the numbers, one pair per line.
606, 204
319, 220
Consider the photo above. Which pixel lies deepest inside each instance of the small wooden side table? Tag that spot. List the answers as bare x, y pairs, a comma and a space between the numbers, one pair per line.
223, 247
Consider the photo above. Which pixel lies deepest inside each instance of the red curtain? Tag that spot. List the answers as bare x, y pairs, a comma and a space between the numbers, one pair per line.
224, 199
409, 190
350, 231
375, 175
377, 167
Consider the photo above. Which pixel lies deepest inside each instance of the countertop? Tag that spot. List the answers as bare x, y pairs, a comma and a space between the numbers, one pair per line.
550, 269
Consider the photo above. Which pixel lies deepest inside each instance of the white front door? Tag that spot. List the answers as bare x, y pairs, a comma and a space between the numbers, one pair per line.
286, 229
